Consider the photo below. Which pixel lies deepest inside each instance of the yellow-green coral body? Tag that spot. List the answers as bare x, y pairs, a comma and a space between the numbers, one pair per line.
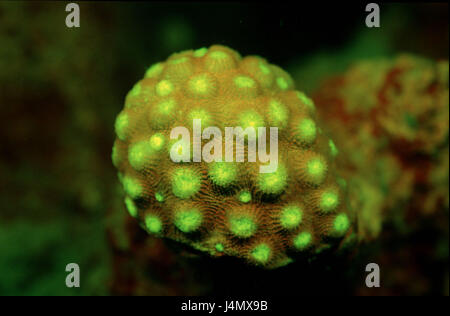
230, 208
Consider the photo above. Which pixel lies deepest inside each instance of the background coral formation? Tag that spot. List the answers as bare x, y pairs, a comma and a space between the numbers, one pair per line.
400, 114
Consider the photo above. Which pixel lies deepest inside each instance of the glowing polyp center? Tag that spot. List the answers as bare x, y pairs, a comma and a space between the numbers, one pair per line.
245, 196
154, 70
315, 167
244, 82
219, 247
223, 173
251, 119
153, 224
178, 60
136, 90
329, 201
307, 130
164, 87
166, 107
200, 52
200, 85
278, 112
261, 253
218, 55
185, 183
264, 69
305, 100
333, 149
273, 182
188, 220
159, 197
302, 240
132, 187
200, 114
139, 154
157, 141
282, 83
131, 207
242, 226
121, 125
291, 216
341, 223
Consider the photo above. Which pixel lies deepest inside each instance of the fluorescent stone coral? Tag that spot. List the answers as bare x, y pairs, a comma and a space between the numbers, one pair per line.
230, 208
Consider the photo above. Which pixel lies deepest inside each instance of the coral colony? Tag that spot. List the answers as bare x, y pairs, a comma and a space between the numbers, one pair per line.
231, 207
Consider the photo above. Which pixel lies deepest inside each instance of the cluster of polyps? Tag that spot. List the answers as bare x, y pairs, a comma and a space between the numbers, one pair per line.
228, 207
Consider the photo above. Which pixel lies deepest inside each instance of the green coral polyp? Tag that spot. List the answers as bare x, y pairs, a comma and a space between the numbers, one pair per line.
139, 154
160, 197
131, 207
185, 183
275, 182
341, 224
264, 68
223, 173
242, 226
115, 156
153, 224
218, 61
306, 131
179, 60
278, 113
188, 220
200, 114
245, 86
200, 52
251, 119
157, 142
219, 247
219, 55
316, 169
201, 86
302, 241
164, 88
329, 201
132, 187
245, 196
166, 107
121, 126
244, 82
136, 90
282, 83
306, 101
333, 149
163, 113
261, 253
291, 216
154, 70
